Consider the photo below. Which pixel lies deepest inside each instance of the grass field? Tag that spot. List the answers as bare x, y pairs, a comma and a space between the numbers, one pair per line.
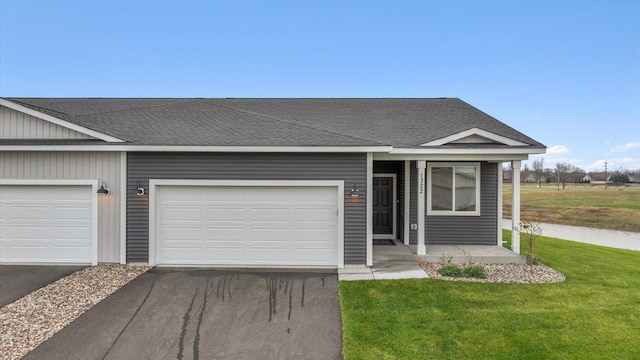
581, 205
594, 314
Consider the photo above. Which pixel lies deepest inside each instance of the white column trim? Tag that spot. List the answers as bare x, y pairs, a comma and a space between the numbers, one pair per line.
123, 207
407, 201
421, 190
369, 194
515, 205
500, 179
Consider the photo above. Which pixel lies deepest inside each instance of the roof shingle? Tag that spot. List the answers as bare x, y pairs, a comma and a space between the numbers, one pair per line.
401, 123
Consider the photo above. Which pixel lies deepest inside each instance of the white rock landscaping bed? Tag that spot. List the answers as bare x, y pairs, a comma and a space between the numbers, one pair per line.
31, 320
501, 273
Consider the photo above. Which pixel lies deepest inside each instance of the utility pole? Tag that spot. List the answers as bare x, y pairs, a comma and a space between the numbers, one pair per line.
605, 174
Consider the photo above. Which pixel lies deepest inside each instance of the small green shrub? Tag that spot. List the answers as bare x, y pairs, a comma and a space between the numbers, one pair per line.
475, 271
450, 270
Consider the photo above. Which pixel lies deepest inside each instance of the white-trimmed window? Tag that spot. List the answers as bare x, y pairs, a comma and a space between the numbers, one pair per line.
453, 189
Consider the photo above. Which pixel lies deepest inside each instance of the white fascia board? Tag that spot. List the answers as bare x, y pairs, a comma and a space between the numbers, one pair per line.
59, 122
230, 149
451, 157
475, 131
70, 182
518, 150
243, 183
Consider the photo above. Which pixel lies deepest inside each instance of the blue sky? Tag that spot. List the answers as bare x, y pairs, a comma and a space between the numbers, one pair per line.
566, 73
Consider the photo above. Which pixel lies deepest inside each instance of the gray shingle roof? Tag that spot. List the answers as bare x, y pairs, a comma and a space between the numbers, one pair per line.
402, 123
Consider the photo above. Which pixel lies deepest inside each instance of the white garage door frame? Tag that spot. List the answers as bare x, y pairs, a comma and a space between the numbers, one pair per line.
153, 183
93, 183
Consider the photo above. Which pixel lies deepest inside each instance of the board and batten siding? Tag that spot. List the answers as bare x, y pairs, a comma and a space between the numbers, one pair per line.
352, 168
103, 166
17, 125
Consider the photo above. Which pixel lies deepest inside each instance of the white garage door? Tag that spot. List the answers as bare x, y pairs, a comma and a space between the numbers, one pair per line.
241, 225
48, 224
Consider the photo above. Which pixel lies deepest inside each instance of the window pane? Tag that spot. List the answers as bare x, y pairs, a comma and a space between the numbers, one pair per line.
465, 188
441, 188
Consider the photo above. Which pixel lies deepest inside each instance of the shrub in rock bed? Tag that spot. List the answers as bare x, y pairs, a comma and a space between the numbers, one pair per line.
475, 271
450, 270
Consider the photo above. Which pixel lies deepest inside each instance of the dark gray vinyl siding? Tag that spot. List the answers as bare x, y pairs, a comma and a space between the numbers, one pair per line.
394, 167
470, 230
352, 168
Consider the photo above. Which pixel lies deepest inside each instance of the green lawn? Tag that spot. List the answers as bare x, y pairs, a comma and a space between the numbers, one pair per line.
594, 314
616, 208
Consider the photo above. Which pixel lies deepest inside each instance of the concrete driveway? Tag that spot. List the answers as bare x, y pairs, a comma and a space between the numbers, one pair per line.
17, 281
209, 314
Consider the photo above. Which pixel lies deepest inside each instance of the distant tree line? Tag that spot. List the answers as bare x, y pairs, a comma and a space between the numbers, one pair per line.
567, 173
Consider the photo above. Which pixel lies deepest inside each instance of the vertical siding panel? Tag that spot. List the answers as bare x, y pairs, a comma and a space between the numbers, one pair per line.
348, 167
18, 125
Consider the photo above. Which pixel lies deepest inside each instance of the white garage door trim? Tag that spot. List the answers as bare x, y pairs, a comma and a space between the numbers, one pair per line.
72, 182
153, 183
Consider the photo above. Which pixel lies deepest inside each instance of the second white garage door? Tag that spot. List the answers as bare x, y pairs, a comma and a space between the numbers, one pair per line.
247, 225
47, 224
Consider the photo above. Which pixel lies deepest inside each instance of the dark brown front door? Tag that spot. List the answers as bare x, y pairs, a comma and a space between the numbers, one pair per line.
383, 205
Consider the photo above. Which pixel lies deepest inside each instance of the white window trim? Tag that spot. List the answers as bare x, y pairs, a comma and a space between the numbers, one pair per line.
453, 212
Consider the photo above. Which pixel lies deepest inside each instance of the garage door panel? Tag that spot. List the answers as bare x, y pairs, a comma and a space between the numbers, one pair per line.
222, 234
17, 213
242, 225
182, 253
176, 213
182, 233
260, 212
46, 223
71, 233
267, 235
70, 253
22, 232
315, 215
226, 213
305, 235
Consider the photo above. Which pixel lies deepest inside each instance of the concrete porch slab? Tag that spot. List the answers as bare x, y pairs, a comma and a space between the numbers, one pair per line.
460, 254
488, 254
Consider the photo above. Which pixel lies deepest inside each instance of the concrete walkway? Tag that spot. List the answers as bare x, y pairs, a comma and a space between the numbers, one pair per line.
611, 238
384, 270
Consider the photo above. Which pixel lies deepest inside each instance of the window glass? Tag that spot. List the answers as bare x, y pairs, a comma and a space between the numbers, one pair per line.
441, 187
465, 188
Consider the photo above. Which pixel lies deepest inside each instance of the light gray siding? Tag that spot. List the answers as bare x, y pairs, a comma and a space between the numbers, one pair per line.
17, 125
103, 166
351, 168
470, 230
